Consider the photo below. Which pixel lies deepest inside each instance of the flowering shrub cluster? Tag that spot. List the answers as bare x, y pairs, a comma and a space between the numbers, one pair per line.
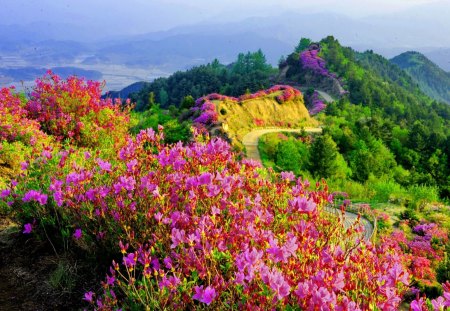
73, 109
316, 105
20, 137
309, 59
14, 123
195, 226
425, 250
192, 226
205, 110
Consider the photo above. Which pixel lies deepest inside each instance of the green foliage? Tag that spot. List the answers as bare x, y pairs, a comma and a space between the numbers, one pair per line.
324, 162
174, 131
303, 44
432, 80
292, 155
250, 71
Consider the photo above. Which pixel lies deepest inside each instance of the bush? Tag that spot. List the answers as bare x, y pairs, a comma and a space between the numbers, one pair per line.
73, 109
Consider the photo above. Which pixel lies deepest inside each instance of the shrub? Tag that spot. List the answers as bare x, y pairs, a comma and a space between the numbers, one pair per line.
73, 109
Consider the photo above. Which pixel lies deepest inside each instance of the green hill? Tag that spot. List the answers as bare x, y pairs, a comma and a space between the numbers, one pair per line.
432, 80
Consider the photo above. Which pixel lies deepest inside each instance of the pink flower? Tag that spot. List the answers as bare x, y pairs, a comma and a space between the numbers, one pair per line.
438, 303
34, 195
77, 234
89, 296
5, 193
302, 205
104, 165
129, 260
204, 295
27, 228
24, 166
418, 305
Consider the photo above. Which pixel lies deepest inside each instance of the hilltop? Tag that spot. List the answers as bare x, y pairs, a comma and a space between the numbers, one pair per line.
432, 80
280, 106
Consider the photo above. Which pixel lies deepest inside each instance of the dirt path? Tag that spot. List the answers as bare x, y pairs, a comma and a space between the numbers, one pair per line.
327, 97
251, 139
250, 142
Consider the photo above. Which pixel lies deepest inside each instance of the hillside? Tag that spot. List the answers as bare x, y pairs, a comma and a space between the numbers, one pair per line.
432, 80
280, 106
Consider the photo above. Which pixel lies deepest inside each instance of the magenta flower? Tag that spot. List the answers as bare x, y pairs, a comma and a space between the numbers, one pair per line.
438, 303
289, 176
302, 205
104, 165
110, 280
129, 260
77, 234
89, 296
204, 295
418, 305
24, 166
36, 196
5, 193
27, 228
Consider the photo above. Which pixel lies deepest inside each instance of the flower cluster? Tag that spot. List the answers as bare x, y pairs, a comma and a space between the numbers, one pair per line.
316, 105
74, 109
309, 59
287, 93
194, 226
438, 304
14, 123
200, 227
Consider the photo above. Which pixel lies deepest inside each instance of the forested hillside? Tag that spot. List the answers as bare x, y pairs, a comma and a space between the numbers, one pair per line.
249, 73
432, 80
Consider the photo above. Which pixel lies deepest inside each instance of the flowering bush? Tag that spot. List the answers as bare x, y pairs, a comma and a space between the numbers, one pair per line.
310, 59
205, 110
193, 226
316, 105
196, 226
73, 109
20, 137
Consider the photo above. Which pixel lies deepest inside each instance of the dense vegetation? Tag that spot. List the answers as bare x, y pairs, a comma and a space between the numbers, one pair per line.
249, 73
385, 128
193, 226
432, 80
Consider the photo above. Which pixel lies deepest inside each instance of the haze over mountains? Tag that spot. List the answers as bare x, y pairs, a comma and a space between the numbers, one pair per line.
132, 47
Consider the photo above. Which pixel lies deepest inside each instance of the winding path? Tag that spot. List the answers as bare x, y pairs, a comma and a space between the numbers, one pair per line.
250, 142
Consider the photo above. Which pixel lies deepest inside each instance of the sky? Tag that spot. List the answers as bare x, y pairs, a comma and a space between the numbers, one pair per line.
141, 16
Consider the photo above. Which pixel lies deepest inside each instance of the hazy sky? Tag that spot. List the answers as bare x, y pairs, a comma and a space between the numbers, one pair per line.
139, 16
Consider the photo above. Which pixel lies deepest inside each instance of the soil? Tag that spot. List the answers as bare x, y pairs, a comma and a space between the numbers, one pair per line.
34, 277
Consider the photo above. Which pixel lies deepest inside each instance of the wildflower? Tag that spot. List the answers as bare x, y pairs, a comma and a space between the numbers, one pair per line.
288, 176
129, 260
110, 280
302, 205
5, 193
89, 297
24, 166
27, 228
34, 195
204, 295
104, 165
77, 234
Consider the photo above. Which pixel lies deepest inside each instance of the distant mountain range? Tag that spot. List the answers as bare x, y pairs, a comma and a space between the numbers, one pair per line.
39, 45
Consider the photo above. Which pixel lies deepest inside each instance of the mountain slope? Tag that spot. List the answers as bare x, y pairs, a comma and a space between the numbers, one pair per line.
432, 80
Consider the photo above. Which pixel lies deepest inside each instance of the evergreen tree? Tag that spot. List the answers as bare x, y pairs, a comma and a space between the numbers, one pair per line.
324, 157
